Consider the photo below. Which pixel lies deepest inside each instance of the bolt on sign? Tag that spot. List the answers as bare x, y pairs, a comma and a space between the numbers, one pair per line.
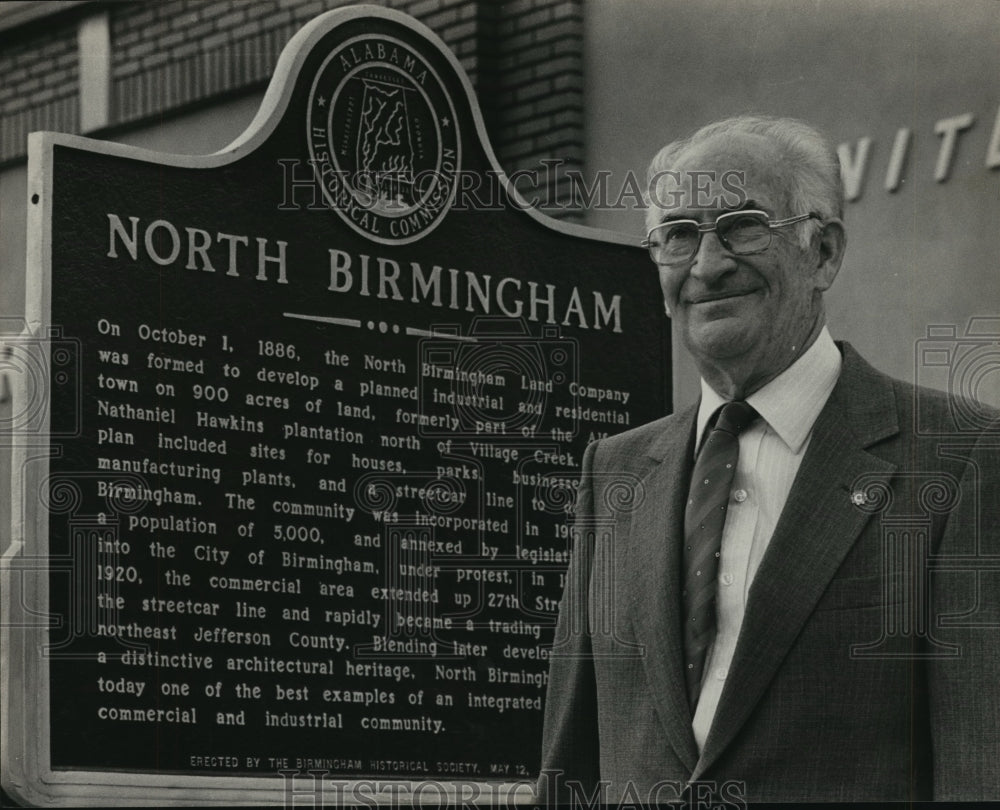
297, 429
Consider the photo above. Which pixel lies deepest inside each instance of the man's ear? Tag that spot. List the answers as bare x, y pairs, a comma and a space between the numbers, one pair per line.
832, 244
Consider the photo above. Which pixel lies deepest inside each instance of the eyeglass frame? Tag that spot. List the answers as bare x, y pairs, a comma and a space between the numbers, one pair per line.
708, 227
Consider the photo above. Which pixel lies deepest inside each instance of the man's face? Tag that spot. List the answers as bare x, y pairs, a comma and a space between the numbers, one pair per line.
748, 312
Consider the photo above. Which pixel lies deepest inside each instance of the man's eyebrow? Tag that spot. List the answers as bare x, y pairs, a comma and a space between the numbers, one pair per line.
749, 205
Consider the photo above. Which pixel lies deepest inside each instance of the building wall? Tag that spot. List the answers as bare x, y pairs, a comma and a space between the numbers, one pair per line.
926, 253
173, 53
40, 79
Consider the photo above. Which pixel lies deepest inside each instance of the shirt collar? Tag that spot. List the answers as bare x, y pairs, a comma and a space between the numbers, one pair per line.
792, 401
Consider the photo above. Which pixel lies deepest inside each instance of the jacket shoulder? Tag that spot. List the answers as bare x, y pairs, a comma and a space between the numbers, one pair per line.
932, 413
880, 406
633, 448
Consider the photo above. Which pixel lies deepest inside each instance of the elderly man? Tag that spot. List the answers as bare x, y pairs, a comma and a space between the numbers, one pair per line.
786, 592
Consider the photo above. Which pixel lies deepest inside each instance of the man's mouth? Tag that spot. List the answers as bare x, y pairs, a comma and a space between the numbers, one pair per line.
706, 298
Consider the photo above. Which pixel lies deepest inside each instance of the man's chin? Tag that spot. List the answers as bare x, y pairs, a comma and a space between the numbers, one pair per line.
719, 338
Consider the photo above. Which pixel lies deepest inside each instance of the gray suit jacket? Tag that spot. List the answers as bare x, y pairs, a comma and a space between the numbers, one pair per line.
868, 663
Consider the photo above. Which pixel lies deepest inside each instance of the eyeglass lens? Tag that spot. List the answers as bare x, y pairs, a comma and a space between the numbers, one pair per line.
738, 232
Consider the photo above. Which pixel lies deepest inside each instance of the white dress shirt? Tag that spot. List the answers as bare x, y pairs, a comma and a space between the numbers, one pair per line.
770, 453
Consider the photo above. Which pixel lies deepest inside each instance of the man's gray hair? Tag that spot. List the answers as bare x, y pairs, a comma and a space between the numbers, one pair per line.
810, 171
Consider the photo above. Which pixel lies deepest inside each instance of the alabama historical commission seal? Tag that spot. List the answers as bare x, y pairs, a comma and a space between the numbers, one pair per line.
383, 139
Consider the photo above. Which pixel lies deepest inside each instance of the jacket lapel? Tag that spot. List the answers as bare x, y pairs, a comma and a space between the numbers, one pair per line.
817, 528
652, 564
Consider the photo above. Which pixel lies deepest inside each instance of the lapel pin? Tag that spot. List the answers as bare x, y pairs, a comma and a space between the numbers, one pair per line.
858, 498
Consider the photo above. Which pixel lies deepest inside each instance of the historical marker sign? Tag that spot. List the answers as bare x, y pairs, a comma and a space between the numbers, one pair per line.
304, 429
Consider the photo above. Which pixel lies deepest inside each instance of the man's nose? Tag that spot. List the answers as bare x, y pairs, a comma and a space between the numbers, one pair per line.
712, 260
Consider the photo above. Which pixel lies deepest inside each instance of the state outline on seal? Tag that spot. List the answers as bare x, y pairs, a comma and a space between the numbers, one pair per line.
383, 139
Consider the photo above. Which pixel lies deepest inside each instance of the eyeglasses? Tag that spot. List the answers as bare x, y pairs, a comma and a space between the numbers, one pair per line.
740, 232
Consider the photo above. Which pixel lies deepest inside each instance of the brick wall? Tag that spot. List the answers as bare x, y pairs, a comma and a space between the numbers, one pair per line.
38, 86
523, 57
534, 83
170, 54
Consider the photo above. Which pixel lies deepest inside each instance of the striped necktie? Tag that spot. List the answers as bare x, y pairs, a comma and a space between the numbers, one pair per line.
704, 519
